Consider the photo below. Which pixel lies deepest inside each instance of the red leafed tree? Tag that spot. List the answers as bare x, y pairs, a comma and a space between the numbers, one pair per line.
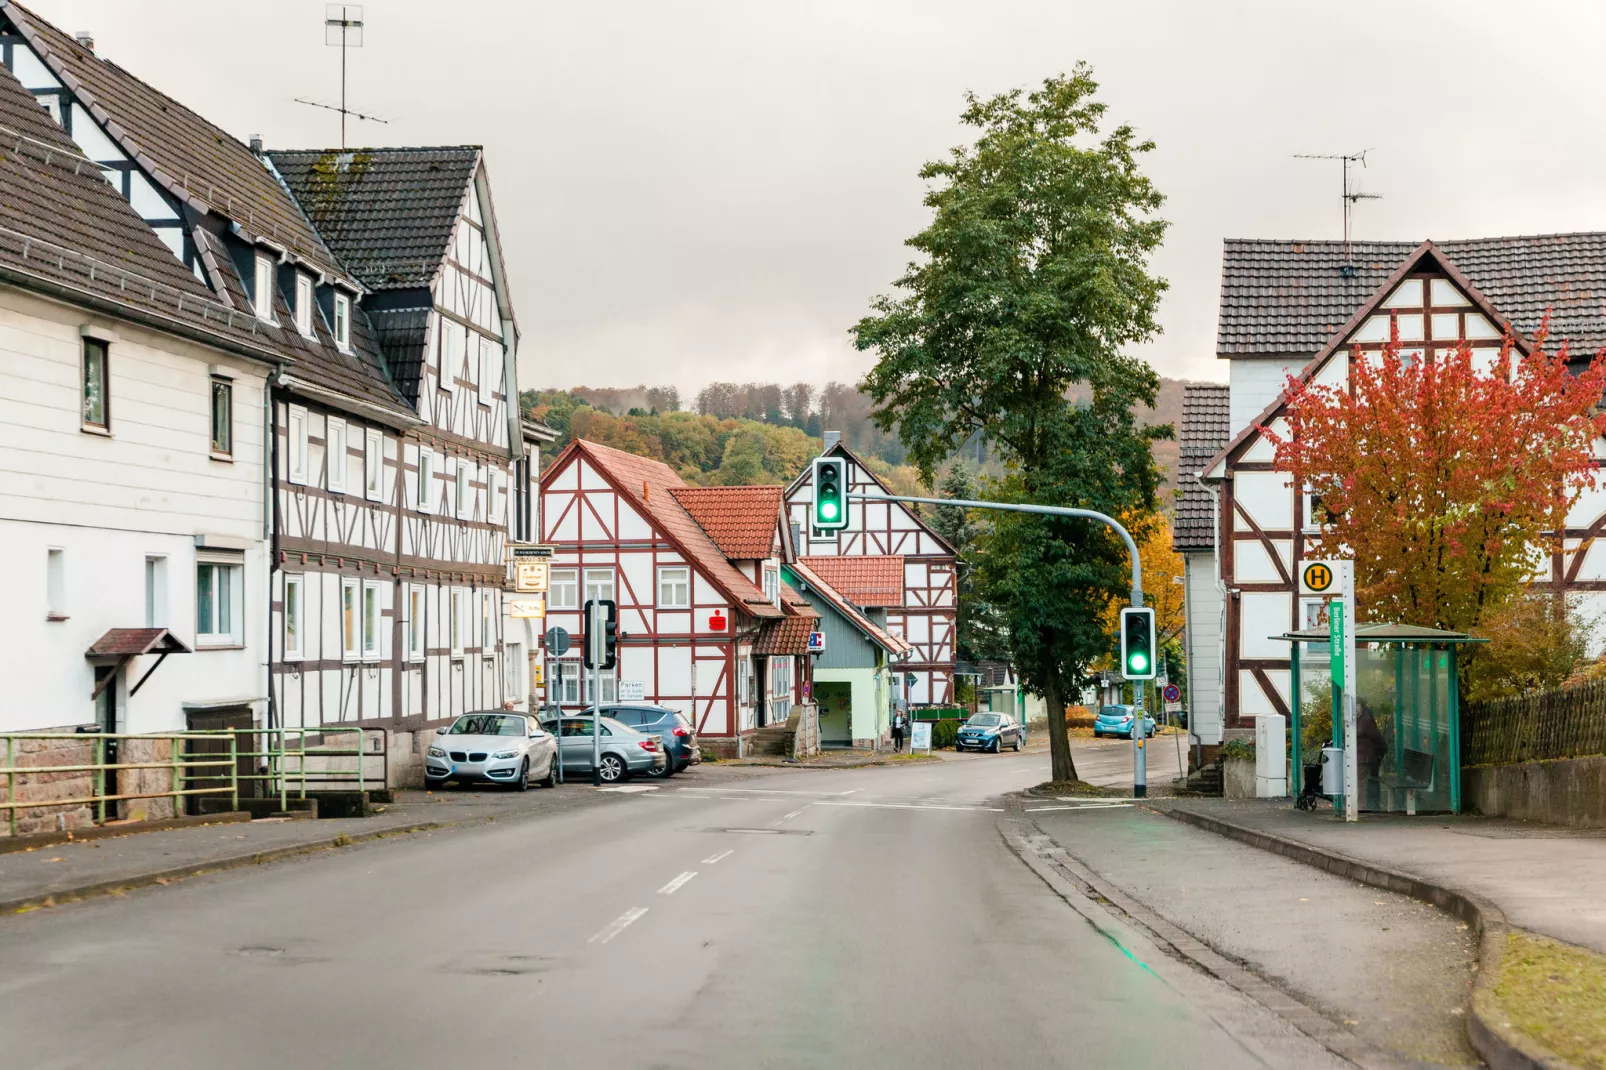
1444, 482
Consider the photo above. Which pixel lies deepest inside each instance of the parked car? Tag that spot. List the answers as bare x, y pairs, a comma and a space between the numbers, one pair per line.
625, 751
673, 729
1118, 721
989, 731
502, 748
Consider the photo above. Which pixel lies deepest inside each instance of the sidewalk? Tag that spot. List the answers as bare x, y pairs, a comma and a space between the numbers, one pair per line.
1546, 879
65, 871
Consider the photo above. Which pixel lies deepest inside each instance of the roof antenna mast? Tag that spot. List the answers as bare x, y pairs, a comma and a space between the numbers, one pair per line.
342, 26
1349, 196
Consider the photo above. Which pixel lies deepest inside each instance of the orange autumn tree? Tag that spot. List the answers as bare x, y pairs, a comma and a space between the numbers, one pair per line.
1444, 482
1162, 583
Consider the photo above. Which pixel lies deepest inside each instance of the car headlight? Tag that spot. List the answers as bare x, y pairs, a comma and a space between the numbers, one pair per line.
436, 752
506, 754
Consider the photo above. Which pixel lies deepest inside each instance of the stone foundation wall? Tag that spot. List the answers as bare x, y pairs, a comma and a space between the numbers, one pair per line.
76, 790
1567, 791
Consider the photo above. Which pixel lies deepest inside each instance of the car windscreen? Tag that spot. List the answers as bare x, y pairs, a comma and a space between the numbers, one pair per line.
489, 724
985, 720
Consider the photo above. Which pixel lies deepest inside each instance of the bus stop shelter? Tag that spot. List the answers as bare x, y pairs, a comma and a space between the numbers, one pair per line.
1407, 712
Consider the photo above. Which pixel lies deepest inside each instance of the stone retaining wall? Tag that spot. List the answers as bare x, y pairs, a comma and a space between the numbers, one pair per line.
1566, 791
77, 789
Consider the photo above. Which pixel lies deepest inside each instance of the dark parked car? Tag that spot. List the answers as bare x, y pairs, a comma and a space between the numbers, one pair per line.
673, 729
989, 731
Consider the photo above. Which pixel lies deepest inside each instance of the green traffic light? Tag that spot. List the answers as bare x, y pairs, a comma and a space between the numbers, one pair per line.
828, 510
1137, 661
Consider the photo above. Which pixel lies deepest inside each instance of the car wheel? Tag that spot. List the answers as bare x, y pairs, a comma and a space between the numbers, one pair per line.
1017, 744
997, 746
551, 778
664, 771
522, 781
612, 768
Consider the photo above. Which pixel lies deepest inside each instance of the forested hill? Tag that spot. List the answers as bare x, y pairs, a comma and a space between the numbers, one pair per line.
745, 433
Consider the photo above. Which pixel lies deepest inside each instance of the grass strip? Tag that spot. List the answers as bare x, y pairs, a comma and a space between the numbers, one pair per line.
1556, 993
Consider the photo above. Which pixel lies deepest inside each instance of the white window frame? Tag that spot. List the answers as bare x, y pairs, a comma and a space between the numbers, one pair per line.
295, 434
566, 581
156, 591
668, 580
55, 583
304, 299
459, 619
262, 289
373, 464
342, 322
463, 505
96, 353
772, 585
294, 614
417, 601
227, 599
335, 454
487, 625
1308, 524
426, 480
350, 619
572, 693
486, 384
373, 619
493, 493
593, 588
221, 392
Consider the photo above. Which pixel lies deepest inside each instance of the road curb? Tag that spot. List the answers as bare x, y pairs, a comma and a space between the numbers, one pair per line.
1493, 1037
12, 844
217, 865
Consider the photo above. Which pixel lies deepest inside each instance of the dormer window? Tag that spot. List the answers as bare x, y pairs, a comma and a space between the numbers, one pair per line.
262, 291
343, 322
304, 304
772, 586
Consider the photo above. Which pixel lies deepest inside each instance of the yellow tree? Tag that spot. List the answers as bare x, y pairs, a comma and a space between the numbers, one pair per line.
1162, 582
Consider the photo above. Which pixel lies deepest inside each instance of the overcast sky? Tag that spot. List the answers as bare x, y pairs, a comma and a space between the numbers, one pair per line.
690, 191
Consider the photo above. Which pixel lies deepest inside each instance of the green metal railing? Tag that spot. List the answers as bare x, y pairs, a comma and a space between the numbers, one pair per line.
285, 765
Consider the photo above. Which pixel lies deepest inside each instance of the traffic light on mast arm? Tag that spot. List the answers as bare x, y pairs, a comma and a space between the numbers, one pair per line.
1137, 644
830, 493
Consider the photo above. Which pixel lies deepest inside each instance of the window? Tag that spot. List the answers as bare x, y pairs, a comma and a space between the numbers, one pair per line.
343, 322
296, 444
1311, 507
458, 625
674, 587
293, 611
563, 589
780, 677
156, 592
487, 624
350, 620
55, 584
599, 585
97, 407
745, 683
493, 493
262, 289
452, 357
465, 490
426, 481
374, 464
371, 616
335, 460
304, 304
415, 622
488, 355
222, 416
51, 102
566, 680
772, 585
218, 613
514, 669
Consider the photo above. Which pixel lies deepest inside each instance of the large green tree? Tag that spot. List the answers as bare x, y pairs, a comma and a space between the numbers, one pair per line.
1031, 279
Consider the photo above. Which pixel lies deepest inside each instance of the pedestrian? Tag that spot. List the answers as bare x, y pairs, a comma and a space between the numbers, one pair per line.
899, 724
1370, 749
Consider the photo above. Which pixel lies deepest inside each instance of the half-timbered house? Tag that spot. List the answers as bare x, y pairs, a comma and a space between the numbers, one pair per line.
706, 623
1309, 309
924, 612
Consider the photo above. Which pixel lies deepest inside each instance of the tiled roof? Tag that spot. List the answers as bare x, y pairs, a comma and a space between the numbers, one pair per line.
839, 602
1290, 297
1206, 426
790, 634
387, 213
740, 520
871, 580
63, 225
131, 642
650, 486
193, 158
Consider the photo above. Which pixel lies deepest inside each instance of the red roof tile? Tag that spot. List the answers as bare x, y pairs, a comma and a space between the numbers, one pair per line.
873, 580
789, 635
740, 520
131, 642
888, 642
650, 487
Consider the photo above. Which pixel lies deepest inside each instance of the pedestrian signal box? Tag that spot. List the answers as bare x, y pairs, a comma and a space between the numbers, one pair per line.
1137, 644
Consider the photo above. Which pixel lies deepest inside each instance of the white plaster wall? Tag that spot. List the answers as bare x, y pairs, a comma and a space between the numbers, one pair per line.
1205, 642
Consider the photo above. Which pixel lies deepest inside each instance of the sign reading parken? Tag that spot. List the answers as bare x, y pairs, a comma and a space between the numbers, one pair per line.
1317, 577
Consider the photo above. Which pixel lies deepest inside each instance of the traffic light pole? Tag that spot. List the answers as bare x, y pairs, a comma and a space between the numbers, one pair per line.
1140, 764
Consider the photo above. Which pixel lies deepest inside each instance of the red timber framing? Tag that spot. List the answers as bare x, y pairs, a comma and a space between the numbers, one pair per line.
926, 615
1264, 532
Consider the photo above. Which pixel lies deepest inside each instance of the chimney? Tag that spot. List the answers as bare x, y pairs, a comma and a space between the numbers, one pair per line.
256, 144
831, 439
85, 38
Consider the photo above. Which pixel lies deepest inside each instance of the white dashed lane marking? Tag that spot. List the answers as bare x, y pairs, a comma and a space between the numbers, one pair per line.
678, 883
618, 925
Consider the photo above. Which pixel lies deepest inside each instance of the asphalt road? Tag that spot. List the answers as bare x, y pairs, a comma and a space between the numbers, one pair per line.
853, 918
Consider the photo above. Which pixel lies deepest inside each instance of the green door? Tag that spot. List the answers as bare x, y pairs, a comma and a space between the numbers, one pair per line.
836, 713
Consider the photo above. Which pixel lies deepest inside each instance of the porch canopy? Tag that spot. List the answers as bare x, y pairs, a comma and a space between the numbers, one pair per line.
1408, 715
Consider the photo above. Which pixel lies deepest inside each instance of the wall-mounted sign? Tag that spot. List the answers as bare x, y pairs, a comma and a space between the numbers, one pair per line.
532, 607
816, 642
530, 574
716, 622
632, 690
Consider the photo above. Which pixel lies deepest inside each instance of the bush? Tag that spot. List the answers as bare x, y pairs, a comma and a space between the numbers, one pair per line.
1079, 717
1238, 748
943, 733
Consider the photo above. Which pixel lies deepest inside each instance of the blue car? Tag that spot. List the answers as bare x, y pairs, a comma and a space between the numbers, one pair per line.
1117, 721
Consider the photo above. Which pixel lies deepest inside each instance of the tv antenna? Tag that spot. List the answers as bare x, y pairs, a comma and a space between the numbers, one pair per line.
1349, 196
342, 26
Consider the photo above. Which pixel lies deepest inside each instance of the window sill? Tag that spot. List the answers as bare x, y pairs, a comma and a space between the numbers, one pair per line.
56, 616
226, 458
91, 429
201, 645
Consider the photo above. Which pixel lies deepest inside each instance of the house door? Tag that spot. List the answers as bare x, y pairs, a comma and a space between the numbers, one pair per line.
210, 749
836, 714
106, 715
